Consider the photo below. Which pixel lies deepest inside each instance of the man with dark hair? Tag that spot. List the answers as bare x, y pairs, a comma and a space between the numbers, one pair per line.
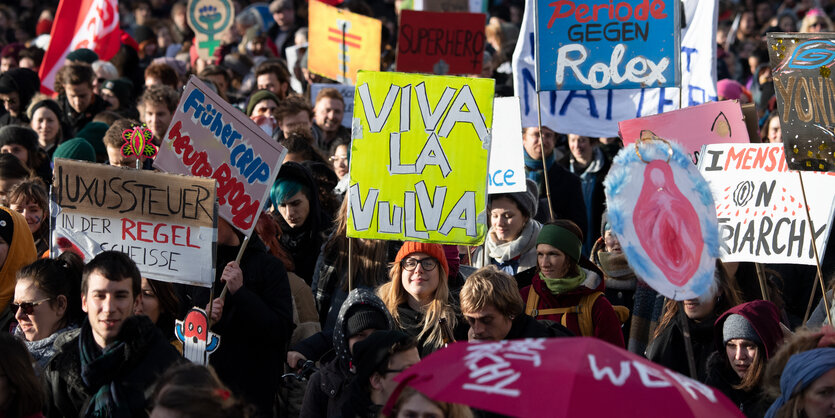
17, 86
273, 76
160, 73
327, 118
378, 359
113, 142
156, 109
283, 32
292, 114
78, 102
220, 77
107, 367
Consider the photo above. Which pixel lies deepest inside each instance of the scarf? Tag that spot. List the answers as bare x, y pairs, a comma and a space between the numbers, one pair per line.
802, 370
508, 252
616, 269
42, 350
563, 284
534, 168
99, 369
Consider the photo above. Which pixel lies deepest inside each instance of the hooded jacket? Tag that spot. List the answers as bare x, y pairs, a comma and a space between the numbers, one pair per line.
604, 318
26, 83
327, 390
21, 253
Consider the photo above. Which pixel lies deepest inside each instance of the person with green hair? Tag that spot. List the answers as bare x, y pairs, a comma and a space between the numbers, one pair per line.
567, 288
303, 223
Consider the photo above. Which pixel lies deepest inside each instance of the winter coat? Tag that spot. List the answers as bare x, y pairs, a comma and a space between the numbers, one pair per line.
21, 253
525, 326
44, 349
511, 257
411, 323
327, 389
668, 350
752, 403
591, 180
76, 120
619, 278
148, 355
256, 324
604, 318
566, 198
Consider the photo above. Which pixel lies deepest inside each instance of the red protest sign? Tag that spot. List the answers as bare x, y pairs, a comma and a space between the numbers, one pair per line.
440, 43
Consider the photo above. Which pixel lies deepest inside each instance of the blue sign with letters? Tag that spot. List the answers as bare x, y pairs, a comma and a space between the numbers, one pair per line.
607, 44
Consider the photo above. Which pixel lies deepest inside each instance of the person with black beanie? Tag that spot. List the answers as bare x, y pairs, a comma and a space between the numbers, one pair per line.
17, 86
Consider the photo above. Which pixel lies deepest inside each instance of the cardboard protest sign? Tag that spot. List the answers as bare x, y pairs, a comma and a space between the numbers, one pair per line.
419, 156
342, 43
692, 127
347, 95
662, 212
210, 138
607, 45
440, 43
209, 19
802, 69
506, 173
166, 223
596, 113
759, 203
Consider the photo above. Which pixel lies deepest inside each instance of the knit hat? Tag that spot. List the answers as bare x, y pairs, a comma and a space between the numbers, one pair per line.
435, 251
121, 88
94, 132
370, 353
19, 135
731, 89
257, 97
23, 81
527, 201
363, 317
12, 50
736, 326
84, 55
6, 227
49, 104
562, 239
75, 149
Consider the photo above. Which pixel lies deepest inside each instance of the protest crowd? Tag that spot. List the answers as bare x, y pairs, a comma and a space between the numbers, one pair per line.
296, 309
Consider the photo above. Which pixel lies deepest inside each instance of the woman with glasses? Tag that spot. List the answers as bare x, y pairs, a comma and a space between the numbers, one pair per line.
46, 303
566, 292
418, 297
340, 156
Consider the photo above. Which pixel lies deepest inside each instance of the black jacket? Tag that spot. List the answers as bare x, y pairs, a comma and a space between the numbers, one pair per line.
76, 120
668, 348
255, 327
752, 403
566, 198
149, 355
525, 326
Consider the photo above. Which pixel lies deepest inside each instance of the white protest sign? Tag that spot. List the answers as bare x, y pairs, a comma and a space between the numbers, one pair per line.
762, 216
596, 113
347, 96
506, 171
292, 54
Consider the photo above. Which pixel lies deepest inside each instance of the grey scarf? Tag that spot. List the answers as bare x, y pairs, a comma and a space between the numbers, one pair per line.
41, 350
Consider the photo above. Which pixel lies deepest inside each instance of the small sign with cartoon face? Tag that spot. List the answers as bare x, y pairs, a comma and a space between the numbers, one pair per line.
198, 341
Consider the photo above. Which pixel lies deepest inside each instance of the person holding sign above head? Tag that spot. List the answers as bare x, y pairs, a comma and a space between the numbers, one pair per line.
418, 297
303, 223
511, 240
746, 336
565, 188
565, 292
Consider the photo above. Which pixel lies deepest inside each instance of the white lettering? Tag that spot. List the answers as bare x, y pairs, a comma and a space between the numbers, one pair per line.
649, 73
607, 372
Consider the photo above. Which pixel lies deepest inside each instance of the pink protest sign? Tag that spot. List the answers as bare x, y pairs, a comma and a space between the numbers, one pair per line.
210, 138
709, 123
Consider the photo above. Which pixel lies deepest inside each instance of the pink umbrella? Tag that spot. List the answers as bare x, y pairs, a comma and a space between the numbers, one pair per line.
562, 377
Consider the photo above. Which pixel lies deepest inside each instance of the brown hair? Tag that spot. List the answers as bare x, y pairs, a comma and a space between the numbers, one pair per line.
196, 391
32, 189
489, 286
804, 339
164, 73
329, 93
75, 73
292, 105
27, 397
368, 255
169, 303
113, 135
450, 410
301, 142
573, 266
58, 277
274, 67
163, 94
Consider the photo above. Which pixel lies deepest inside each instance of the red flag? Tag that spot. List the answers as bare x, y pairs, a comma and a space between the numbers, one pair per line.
92, 24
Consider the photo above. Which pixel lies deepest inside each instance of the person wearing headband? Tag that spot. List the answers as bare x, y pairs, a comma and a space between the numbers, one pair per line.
565, 292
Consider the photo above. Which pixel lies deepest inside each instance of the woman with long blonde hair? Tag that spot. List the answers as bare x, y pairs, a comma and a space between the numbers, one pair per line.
418, 297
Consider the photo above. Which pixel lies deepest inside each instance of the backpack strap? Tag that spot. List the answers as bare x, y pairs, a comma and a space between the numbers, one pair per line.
583, 310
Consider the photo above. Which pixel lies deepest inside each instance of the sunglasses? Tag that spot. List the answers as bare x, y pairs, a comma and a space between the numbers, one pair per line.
410, 264
28, 307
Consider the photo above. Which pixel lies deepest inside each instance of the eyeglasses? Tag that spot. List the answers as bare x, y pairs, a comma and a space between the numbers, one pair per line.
28, 307
335, 158
410, 264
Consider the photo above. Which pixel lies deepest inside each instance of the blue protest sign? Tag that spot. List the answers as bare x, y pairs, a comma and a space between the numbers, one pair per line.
605, 44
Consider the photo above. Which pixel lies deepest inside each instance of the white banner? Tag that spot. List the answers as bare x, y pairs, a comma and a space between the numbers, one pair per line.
506, 171
759, 203
596, 113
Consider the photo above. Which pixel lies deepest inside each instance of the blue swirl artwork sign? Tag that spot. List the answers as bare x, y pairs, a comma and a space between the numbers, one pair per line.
802, 69
606, 44
209, 19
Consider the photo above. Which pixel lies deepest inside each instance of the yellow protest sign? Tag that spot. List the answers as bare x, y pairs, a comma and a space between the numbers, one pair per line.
419, 157
342, 43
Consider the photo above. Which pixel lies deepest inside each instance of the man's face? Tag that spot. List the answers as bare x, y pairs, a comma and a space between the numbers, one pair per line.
328, 114
116, 159
270, 82
7, 63
397, 363
157, 117
11, 101
80, 96
285, 17
17, 150
291, 123
488, 324
107, 304
530, 140
264, 108
220, 81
